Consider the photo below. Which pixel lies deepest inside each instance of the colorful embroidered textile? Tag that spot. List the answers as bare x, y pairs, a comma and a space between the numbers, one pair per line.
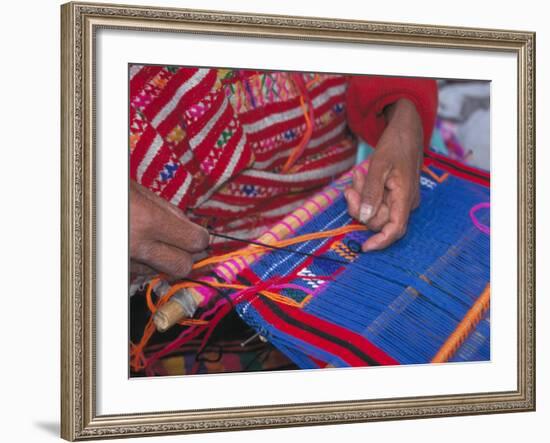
394, 306
325, 303
239, 149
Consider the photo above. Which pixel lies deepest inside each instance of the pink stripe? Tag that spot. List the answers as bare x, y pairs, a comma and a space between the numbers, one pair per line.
233, 276
328, 197
290, 228
206, 292
209, 279
275, 236
244, 262
483, 228
219, 273
306, 211
316, 204
236, 264
298, 219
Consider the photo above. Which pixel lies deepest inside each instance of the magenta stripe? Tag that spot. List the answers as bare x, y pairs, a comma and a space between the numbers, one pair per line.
483, 228
233, 276
275, 236
244, 262
298, 219
236, 264
307, 212
316, 204
219, 273
208, 279
206, 291
290, 228
203, 291
328, 197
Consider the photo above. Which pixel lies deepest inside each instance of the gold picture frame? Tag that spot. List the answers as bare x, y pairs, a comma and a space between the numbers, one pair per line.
79, 22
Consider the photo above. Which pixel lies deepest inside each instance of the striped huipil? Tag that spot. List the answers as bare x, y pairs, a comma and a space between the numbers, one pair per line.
239, 149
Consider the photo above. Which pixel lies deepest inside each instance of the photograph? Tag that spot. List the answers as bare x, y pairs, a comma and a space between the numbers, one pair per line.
275, 220
286, 220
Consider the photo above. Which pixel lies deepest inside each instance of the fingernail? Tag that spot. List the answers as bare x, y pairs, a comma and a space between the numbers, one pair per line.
365, 213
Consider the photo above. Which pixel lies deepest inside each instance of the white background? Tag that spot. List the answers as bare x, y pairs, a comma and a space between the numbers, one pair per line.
29, 182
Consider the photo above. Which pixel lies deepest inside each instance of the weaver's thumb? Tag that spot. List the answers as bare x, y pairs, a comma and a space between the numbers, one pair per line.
373, 191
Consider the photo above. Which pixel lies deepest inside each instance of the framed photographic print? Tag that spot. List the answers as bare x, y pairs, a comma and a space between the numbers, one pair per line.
280, 221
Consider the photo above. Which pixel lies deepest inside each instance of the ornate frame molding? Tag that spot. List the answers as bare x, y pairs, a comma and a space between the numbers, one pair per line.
79, 23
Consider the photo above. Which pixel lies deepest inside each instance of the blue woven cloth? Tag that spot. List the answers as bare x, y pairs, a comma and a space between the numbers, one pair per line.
406, 299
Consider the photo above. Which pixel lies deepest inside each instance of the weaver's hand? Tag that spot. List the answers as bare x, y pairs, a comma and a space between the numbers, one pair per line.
383, 198
162, 239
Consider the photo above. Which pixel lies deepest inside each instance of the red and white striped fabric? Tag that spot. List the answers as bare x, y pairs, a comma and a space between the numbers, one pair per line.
217, 142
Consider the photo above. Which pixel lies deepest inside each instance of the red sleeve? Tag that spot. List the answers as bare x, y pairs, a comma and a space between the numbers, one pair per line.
367, 96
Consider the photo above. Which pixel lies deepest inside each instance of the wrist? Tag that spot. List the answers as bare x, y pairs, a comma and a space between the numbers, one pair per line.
403, 120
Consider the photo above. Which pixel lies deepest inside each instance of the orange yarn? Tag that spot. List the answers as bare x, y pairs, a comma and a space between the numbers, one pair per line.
255, 249
137, 356
148, 294
468, 323
308, 115
271, 295
313, 80
432, 174
297, 151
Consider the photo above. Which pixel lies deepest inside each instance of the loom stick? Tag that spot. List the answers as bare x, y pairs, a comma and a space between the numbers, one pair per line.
467, 325
183, 304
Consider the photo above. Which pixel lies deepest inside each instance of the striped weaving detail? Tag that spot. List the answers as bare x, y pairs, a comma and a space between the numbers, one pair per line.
352, 348
215, 140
